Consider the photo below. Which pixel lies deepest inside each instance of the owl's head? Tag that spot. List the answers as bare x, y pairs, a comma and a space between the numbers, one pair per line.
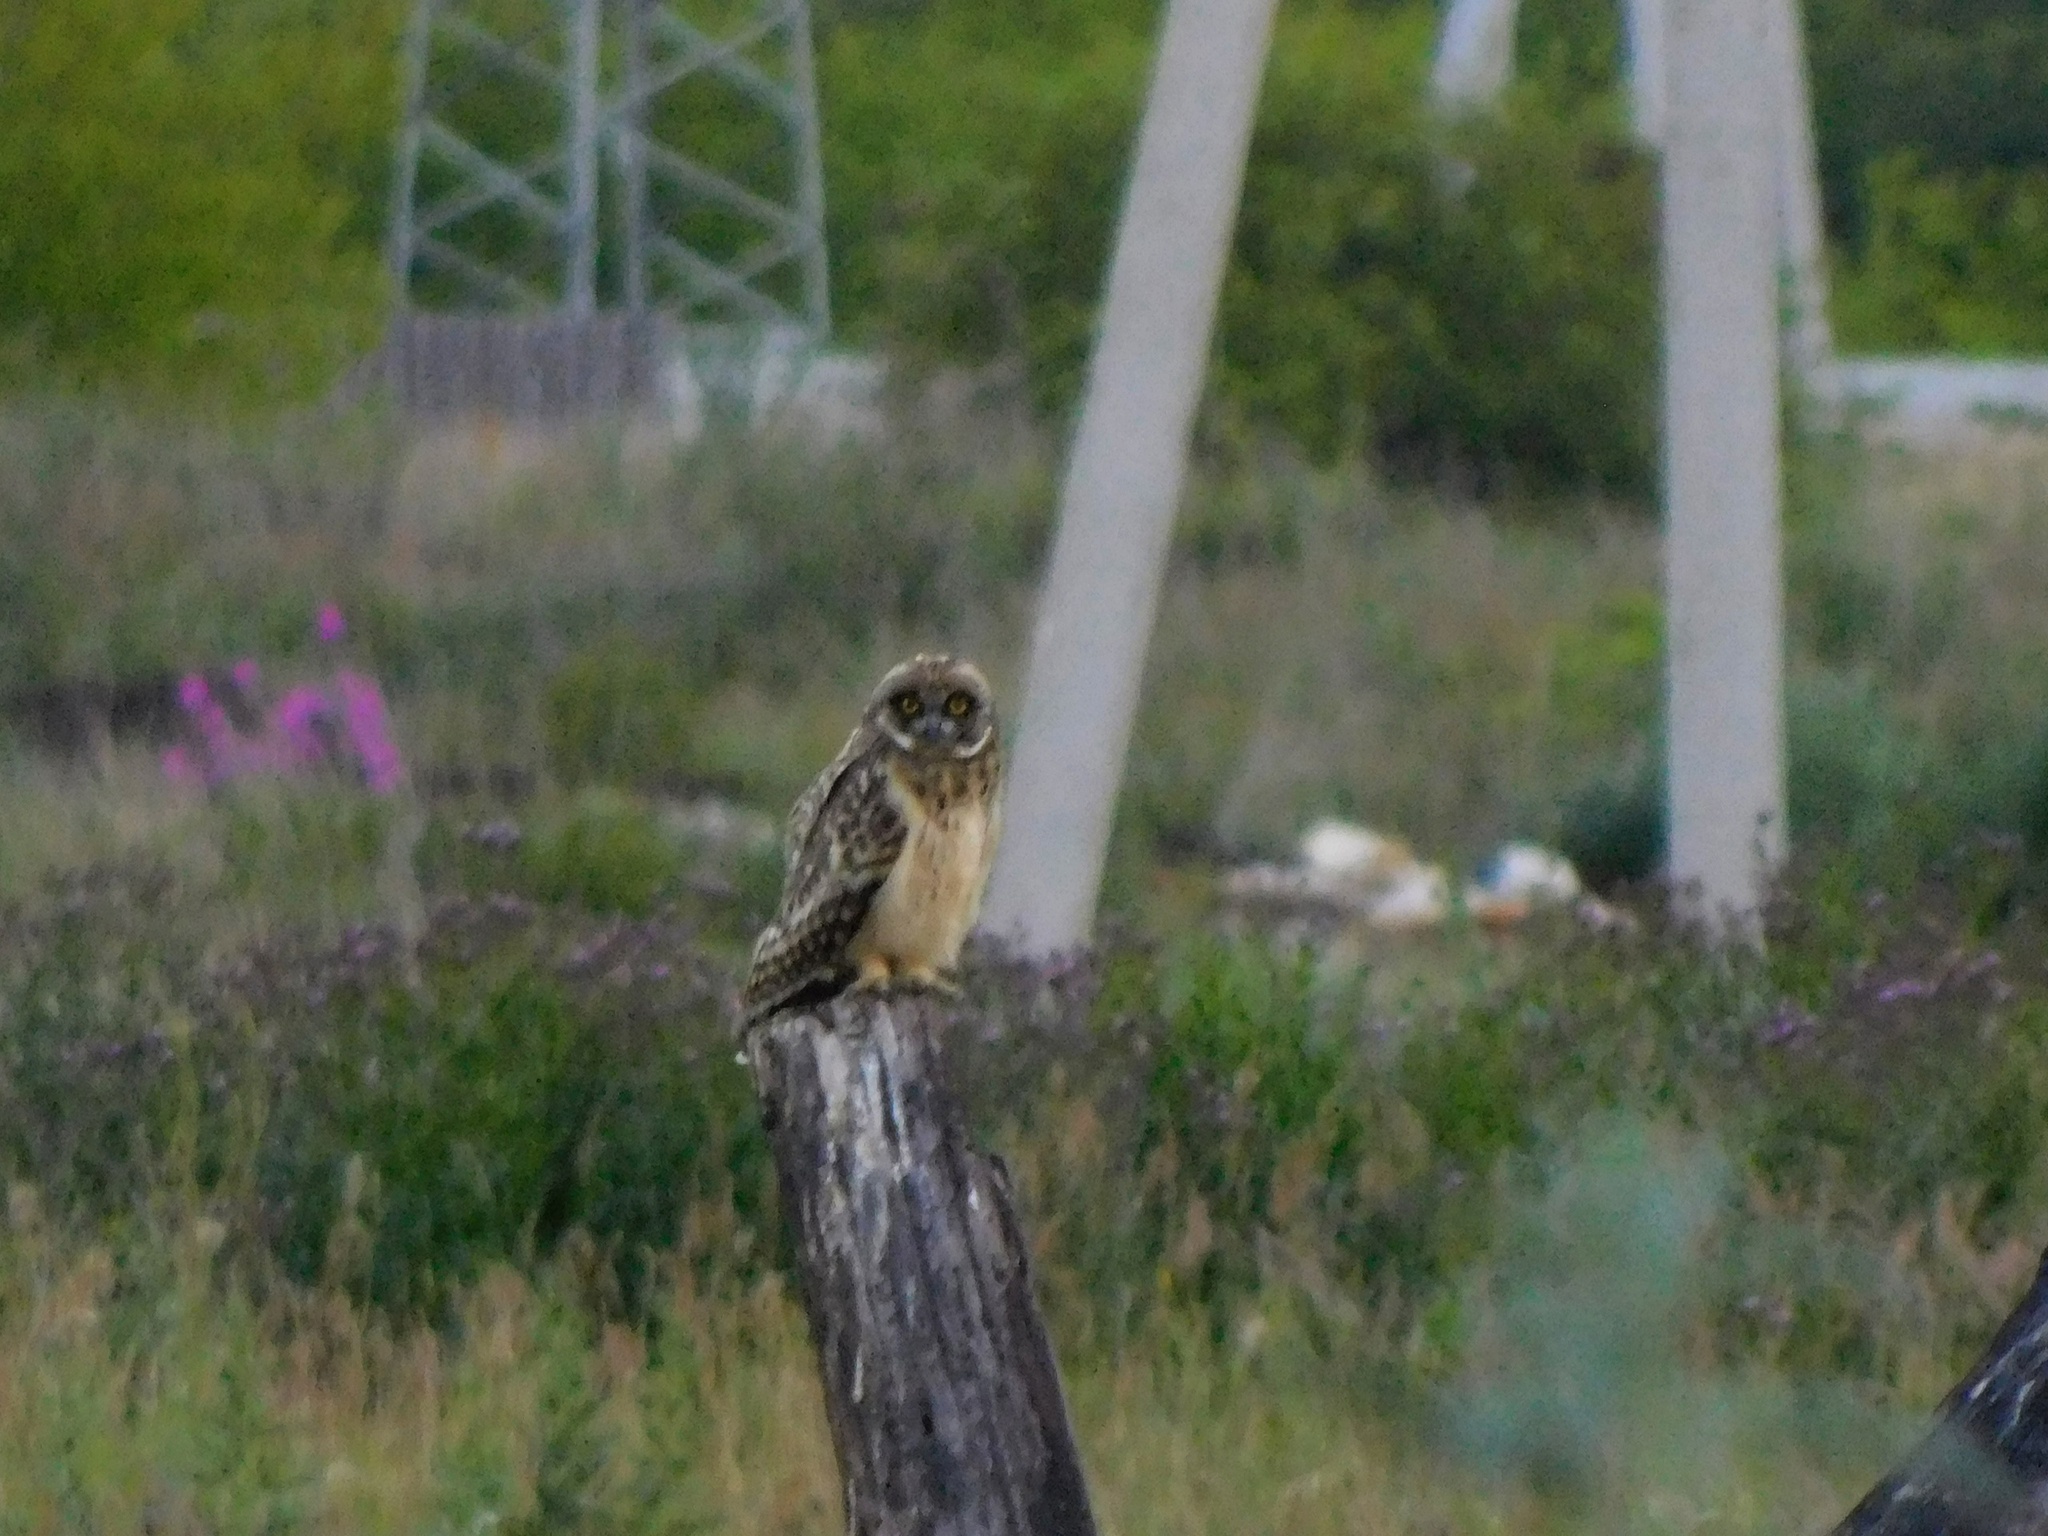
935, 707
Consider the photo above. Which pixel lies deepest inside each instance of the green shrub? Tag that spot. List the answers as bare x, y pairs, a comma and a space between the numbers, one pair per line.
184, 172
96, 989
1196, 1124
517, 1086
1950, 262
1607, 668
1613, 827
618, 713
520, 1084
307, 853
1852, 765
1498, 311
606, 854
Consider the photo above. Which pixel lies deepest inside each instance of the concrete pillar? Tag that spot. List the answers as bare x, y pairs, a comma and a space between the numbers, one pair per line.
1809, 342
1124, 477
1649, 72
1475, 54
1724, 611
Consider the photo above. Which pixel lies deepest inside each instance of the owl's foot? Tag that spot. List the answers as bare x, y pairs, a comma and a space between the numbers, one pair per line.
924, 978
877, 975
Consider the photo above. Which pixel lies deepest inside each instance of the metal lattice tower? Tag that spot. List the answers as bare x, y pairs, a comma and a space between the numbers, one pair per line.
648, 154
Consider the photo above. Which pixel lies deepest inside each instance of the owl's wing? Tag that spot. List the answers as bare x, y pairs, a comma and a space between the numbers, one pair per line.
803, 816
841, 849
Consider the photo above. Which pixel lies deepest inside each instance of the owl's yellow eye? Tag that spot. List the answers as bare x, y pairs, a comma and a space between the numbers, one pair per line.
958, 704
909, 705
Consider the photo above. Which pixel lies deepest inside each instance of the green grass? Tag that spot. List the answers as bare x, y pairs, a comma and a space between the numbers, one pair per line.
366, 1172
1586, 1234
598, 608
144, 1388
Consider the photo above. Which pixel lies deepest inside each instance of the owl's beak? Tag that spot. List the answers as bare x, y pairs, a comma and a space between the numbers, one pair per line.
933, 727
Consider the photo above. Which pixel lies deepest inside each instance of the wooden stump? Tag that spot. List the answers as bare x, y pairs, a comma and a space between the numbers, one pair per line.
1983, 1470
940, 1383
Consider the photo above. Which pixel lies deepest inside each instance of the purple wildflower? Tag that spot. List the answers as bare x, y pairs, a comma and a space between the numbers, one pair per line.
368, 725
224, 750
297, 719
1788, 1021
309, 725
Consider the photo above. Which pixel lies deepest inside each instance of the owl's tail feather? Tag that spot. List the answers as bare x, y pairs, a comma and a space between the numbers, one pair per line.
769, 992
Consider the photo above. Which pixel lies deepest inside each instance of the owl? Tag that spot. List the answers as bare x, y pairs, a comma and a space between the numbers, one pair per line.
890, 847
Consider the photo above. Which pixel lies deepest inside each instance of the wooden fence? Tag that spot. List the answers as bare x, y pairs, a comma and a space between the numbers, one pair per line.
525, 367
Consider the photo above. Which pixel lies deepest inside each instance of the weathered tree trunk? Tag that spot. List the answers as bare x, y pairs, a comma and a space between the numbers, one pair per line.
1983, 1470
940, 1382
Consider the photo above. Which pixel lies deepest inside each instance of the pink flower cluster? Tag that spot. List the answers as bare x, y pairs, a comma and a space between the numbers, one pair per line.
342, 723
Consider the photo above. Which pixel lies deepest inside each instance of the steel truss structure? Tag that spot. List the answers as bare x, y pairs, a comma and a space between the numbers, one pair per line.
568, 154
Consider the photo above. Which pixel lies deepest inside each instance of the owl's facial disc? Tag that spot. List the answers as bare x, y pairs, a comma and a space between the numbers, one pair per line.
935, 708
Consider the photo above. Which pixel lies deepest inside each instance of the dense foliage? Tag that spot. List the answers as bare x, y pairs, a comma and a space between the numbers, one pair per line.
1481, 298
186, 189
694, 619
392, 1117
1485, 298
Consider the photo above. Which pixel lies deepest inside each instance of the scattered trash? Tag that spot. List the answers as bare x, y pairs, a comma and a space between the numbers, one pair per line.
1350, 873
1344, 852
1517, 879
1345, 873
1418, 897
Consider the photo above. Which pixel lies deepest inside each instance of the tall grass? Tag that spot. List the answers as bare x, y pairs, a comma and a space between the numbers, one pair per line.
144, 1384
603, 606
1607, 1232
324, 1214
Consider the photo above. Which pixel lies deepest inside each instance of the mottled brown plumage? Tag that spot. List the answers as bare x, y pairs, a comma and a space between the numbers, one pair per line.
889, 848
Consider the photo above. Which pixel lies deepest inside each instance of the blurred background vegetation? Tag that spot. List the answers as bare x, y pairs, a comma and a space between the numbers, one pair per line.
199, 191
381, 1163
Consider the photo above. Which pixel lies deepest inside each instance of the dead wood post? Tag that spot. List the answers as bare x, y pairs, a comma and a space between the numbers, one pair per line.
1983, 1469
940, 1383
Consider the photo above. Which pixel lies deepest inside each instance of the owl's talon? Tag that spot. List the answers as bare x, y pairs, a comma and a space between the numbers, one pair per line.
874, 975
877, 979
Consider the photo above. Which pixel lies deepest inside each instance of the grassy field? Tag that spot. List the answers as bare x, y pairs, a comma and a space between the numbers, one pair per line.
380, 1163
603, 609
525, 1413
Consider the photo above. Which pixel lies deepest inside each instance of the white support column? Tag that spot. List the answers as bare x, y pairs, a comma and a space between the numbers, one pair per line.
1475, 54
1724, 612
1649, 71
1809, 342
1124, 477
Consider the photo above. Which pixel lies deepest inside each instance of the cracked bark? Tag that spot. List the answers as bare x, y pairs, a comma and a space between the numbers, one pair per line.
940, 1383
1983, 1469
